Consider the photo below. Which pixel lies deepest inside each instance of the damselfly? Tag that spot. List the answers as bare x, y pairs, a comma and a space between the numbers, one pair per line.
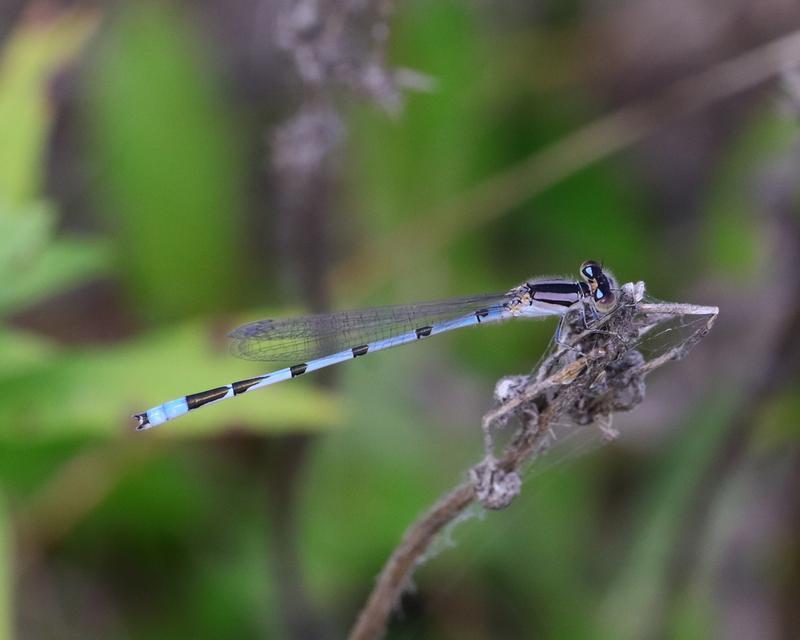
319, 341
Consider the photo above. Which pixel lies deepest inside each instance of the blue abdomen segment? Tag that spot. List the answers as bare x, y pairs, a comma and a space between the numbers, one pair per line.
160, 414
178, 407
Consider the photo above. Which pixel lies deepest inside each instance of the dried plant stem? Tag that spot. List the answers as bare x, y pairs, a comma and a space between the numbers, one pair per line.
600, 372
397, 571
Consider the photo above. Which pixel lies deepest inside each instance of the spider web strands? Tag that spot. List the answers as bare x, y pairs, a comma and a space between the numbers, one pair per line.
670, 330
660, 331
309, 337
653, 333
565, 442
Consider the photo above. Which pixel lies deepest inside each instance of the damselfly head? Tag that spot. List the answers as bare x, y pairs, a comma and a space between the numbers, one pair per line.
601, 284
591, 270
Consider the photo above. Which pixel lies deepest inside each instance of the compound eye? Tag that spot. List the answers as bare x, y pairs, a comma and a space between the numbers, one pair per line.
591, 270
604, 299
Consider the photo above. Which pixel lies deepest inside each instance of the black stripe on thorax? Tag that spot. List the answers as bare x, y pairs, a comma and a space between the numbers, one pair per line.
243, 385
204, 397
558, 287
423, 332
481, 313
563, 294
360, 351
298, 369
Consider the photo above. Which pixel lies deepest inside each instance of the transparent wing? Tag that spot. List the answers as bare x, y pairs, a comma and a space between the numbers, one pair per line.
669, 330
314, 336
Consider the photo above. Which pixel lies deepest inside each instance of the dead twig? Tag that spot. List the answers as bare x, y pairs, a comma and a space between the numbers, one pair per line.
579, 385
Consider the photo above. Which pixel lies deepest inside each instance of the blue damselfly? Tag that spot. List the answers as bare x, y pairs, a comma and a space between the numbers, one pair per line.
318, 341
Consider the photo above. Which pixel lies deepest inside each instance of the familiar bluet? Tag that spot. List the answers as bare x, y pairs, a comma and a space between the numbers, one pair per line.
319, 341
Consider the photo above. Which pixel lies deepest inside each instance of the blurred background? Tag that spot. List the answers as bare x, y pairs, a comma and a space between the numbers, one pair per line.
169, 170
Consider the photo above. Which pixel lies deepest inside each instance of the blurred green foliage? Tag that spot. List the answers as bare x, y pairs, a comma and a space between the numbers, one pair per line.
34, 263
6, 575
174, 533
165, 143
72, 380
766, 140
30, 59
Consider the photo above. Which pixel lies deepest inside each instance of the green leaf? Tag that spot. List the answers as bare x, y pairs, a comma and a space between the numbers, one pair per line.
36, 49
33, 265
65, 262
25, 231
